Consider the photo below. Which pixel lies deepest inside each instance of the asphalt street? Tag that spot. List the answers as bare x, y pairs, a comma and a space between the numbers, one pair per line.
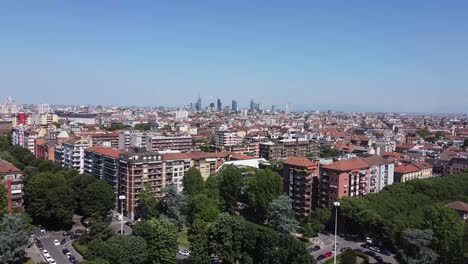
56, 251
328, 241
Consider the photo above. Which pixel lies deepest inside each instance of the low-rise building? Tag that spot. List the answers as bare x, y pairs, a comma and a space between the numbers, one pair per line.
288, 148
418, 170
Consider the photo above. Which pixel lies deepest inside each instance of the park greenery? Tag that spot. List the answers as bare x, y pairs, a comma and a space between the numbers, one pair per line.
417, 204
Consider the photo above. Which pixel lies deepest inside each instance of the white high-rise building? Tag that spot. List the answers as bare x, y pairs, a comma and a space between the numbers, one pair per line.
288, 108
43, 108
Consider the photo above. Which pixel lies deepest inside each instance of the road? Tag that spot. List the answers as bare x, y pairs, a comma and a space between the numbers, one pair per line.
115, 224
56, 251
328, 241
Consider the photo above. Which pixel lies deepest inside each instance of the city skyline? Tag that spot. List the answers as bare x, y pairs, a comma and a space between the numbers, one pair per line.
379, 57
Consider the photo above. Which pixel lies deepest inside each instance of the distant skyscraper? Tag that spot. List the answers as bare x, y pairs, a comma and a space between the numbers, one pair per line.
198, 105
273, 108
234, 106
219, 105
253, 105
288, 108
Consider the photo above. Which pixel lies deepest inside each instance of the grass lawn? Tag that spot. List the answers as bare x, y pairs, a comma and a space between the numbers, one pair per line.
183, 240
82, 249
29, 261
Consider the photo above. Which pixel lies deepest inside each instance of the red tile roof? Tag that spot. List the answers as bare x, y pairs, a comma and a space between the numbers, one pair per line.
375, 160
6, 167
459, 206
110, 152
404, 169
347, 165
300, 162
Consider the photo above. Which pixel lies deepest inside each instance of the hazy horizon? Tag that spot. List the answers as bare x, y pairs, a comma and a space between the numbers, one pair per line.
370, 56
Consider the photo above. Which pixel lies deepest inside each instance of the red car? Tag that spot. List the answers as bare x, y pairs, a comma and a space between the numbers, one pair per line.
328, 254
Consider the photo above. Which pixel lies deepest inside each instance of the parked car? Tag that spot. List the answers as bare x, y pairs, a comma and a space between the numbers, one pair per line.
63, 241
66, 252
42, 230
184, 252
52, 261
67, 233
376, 249
328, 254
370, 253
345, 249
39, 245
45, 253
316, 248
385, 252
378, 258
130, 224
321, 257
72, 259
79, 231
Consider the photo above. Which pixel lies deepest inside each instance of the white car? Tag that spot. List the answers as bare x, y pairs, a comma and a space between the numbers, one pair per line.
45, 253
184, 252
48, 259
42, 230
56, 242
52, 261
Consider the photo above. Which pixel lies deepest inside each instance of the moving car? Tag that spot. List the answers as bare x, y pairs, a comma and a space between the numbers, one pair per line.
42, 230
56, 242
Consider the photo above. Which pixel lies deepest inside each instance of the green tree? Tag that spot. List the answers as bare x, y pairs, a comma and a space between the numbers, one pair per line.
281, 216
61, 206
316, 221
261, 191
149, 206
212, 187
448, 230
193, 182
415, 248
329, 152
230, 187
465, 143
173, 206
293, 251
424, 133
198, 238
3, 200
98, 199
123, 249
161, 239
204, 208
349, 257
13, 239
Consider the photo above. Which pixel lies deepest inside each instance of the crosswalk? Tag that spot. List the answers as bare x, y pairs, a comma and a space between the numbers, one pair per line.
43, 236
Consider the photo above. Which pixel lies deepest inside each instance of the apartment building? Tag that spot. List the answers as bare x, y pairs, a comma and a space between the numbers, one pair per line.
343, 178
24, 137
103, 163
175, 167
129, 139
71, 153
45, 149
136, 172
381, 173
44, 119
300, 182
417, 170
12, 178
288, 148
105, 139
225, 138
163, 143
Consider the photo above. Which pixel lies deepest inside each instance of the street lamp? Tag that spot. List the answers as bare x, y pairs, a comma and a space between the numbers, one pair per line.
336, 204
121, 199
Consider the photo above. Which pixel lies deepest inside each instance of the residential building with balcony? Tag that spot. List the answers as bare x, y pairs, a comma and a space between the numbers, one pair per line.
341, 179
71, 153
103, 163
288, 148
225, 138
136, 172
381, 173
163, 143
300, 182
12, 178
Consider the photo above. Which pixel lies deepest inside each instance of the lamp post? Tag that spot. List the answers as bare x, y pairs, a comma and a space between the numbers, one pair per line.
336, 204
121, 199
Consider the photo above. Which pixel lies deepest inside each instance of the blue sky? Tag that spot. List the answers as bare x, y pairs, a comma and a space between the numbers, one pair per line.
343, 55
